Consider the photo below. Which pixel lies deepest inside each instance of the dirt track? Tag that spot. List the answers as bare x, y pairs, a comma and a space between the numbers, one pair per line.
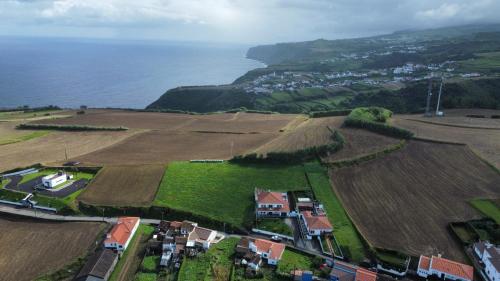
29, 248
405, 200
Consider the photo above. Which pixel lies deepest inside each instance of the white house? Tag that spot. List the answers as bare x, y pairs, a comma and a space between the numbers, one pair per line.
271, 204
315, 225
121, 234
489, 254
54, 180
267, 249
201, 237
444, 268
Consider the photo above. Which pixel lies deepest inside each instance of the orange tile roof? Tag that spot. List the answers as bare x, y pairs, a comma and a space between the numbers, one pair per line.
275, 250
424, 262
451, 267
316, 222
269, 197
121, 231
365, 275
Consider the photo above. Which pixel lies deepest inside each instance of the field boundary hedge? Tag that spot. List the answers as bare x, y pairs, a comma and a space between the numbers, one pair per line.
374, 119
298, 156
319, 114
156, 212
366, 157
67, 127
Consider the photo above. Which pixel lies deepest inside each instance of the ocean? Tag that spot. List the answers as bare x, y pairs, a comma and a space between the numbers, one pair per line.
110, 73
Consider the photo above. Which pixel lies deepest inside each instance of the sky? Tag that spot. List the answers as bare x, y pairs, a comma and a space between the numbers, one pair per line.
236, 21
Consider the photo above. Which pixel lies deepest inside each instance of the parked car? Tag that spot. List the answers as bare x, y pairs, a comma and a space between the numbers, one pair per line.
276, 238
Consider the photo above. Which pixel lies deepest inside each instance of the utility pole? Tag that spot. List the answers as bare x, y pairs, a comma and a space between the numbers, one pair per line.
429, 95
439, 97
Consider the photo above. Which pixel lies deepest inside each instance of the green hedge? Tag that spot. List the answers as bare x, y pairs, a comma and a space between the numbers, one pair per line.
68, 127
373, 119
318, 114
298, 156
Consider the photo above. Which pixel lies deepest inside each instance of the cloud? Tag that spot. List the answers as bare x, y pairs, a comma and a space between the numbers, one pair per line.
235, 20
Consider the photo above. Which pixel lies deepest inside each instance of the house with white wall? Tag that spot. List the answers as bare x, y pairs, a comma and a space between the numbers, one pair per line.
489, 255
54, 180
444, 268
201, 237
315, 224
271, 204
121, 234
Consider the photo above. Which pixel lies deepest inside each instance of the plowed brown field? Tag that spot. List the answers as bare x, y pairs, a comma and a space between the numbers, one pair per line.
124, 186
405, 200
29, 249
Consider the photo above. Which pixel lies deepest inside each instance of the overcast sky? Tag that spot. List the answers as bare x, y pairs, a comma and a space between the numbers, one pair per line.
239, 21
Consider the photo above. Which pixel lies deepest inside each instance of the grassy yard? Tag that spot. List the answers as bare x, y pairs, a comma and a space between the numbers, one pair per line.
274, 225
294, 260
46, 172
343, 229
15, 115
215, 264
150, 263
26, 137
130, 252
224, 192
488, 208
141, 276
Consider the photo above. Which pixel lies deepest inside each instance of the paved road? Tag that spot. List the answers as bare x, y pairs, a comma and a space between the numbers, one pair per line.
48, 216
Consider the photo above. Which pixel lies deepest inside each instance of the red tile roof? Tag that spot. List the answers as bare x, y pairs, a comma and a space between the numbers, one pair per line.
451, 267
269, 197
365, 275
316, 222
424, 263
121, 231
275, 250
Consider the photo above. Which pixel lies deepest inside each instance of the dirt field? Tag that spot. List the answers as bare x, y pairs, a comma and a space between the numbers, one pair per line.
51, 148
227, 122
412, 195
124, 186
312, 132
29, 249
161, 147
485, 142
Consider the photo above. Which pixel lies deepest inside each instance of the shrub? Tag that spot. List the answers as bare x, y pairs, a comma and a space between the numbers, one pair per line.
318, 114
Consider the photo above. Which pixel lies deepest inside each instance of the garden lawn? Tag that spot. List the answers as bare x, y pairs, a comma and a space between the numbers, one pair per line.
292, 260
223, 191
150, 263
215, 264
488, 208
274, 225
343, 229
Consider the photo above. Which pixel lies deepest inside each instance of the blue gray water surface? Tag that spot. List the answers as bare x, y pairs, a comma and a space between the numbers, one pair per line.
110, 73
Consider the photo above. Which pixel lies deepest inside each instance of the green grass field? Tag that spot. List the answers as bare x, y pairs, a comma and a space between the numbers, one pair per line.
215, 264
485, 62
150, 263
14, 115
274, 225
26, 137
488, 208
223, 192
343, 229
294, 260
